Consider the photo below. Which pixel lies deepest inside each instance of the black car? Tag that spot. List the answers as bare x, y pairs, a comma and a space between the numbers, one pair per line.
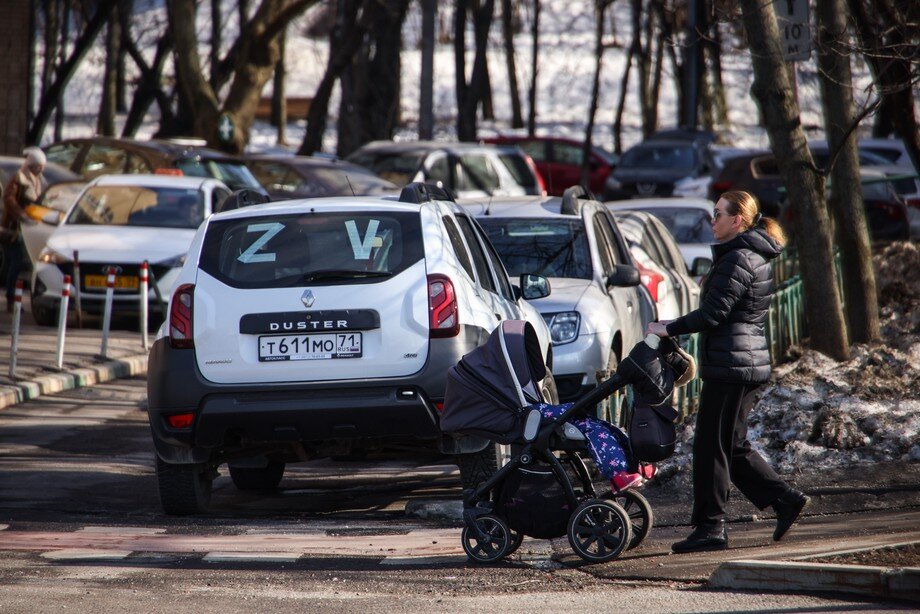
286, 176
652, 167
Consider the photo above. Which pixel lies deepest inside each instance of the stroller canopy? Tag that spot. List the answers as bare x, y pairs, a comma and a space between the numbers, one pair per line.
487, 389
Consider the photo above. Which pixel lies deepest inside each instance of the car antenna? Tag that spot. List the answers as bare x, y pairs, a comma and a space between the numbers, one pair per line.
350, 186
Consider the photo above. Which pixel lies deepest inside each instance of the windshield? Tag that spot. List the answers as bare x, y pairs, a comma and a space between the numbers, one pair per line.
688, 225
139, 206
311, 248
234, 174
656, 156
552, 248
397, 168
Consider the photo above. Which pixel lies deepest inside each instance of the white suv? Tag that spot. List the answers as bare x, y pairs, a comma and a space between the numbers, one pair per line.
305, 328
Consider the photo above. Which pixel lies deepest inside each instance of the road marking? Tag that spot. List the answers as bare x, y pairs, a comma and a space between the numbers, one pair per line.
85, 554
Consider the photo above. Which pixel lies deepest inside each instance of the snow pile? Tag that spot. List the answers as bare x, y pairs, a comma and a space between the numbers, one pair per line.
818, 414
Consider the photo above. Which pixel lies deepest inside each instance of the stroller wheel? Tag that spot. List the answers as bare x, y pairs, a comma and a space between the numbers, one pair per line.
599, 530
640, 515
488, 541
516, 539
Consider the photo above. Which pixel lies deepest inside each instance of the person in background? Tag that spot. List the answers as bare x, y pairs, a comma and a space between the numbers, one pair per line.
23, 189
735, 362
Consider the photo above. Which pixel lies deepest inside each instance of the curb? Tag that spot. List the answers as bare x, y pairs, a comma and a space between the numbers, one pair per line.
82, 377
901, 583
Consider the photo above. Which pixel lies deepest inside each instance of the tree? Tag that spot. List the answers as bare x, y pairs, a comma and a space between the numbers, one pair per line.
250, 62
517, 120
600, 10
535, 48
846, 196
471, 95
805, 186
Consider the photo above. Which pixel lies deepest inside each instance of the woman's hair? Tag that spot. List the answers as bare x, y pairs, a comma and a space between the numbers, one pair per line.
744, 204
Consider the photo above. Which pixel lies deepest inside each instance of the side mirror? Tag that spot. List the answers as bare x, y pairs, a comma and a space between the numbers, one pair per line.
53, 218
624, 276
701, 267
516, 291
534, 286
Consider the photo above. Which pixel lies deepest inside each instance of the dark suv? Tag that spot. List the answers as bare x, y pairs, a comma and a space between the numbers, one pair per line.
652, 167
95, 156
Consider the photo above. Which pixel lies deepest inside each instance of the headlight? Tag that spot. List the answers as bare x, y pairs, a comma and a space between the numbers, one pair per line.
175, 262
52, 257
563, 327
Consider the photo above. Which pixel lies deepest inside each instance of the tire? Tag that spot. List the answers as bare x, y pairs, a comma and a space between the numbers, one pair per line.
496, 544
43, 315
184, 489
478, 467
516, 540
639, 511
599, 530
608, 408
549, 389
262, 478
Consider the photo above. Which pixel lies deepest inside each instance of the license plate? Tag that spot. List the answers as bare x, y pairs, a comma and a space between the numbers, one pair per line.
122, 282
325, 346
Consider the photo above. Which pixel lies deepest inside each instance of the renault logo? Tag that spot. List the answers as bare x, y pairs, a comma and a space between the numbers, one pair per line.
308, 298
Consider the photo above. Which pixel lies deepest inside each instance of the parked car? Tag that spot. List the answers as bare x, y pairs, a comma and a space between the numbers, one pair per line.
906, 183
892, 150
469, 170
698, 187
689, 220
558, 161
595, 313
120, 221
95, 156
653, 167
308, 328
704, 137
48, 214
661, 264
286, 176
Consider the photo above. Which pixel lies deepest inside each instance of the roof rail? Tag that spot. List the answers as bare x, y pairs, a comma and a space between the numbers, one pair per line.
419, 193
571, 198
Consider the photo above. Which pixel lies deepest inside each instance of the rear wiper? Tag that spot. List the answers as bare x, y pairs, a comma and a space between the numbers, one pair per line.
332, 274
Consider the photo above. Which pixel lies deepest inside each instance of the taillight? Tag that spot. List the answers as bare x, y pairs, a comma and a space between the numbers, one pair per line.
913, 202
180, 317
533, 166
181, 421
651, 280
444, 320
721, 186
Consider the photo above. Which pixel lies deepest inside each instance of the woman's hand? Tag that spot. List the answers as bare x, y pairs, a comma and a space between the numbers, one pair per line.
658, 328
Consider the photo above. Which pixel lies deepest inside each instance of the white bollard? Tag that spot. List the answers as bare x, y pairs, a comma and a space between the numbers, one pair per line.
107, 314
145, 342
17, 315
62, 321
77, 289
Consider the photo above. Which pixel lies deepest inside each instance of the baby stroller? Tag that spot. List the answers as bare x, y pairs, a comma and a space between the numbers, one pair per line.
545, 490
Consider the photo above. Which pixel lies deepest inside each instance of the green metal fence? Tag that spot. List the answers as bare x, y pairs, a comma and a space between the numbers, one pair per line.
786, 323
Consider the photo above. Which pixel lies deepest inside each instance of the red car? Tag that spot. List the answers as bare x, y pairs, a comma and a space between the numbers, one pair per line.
559, 161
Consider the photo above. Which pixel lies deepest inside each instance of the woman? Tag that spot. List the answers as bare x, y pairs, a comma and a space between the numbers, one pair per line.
22, 190
735, 361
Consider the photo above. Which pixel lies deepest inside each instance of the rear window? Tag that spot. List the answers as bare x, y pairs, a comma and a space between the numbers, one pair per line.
688, 225
312, 249
553, 248
234, 174
663, 157
396, 168
518, 168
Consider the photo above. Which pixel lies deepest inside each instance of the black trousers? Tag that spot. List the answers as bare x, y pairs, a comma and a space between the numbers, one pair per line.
722, 455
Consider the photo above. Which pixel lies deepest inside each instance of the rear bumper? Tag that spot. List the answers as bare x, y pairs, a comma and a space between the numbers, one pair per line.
231, 418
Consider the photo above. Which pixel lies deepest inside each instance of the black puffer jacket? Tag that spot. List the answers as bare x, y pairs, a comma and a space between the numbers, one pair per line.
733, 310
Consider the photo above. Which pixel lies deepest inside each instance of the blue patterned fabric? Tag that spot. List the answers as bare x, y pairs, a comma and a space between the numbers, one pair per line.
606, 443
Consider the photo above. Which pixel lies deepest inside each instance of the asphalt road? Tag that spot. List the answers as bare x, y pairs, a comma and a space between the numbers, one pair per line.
81, 529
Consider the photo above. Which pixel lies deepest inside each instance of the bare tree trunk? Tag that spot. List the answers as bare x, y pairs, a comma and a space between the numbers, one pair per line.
517, 120
488, 109
125, 11
106, 122
621, 105
639, 53
148, 88
669, 36
52, 31
715, 73
426, 97
846, 196
217, 27
461, 7
476, 90
773, 92
535, 48
65, 35
655, 87
600, 8
279, 96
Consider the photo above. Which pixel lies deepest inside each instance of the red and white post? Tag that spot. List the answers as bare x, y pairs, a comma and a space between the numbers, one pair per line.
143, 306
77, 288
107, 314
17, 316
62, 321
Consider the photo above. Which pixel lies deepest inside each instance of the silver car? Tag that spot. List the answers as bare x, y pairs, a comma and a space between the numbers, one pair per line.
597, 310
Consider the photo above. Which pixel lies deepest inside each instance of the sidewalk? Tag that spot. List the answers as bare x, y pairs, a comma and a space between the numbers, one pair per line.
36, 372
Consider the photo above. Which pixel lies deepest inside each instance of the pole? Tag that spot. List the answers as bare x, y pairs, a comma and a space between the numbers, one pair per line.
77, 288
17, 316
62, 321
143, 306
107, 314
426, 95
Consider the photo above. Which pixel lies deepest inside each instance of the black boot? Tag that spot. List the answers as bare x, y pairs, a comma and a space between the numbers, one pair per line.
788, 509
707, 536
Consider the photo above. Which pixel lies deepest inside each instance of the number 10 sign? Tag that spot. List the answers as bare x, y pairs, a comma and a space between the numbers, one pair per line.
794, 31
